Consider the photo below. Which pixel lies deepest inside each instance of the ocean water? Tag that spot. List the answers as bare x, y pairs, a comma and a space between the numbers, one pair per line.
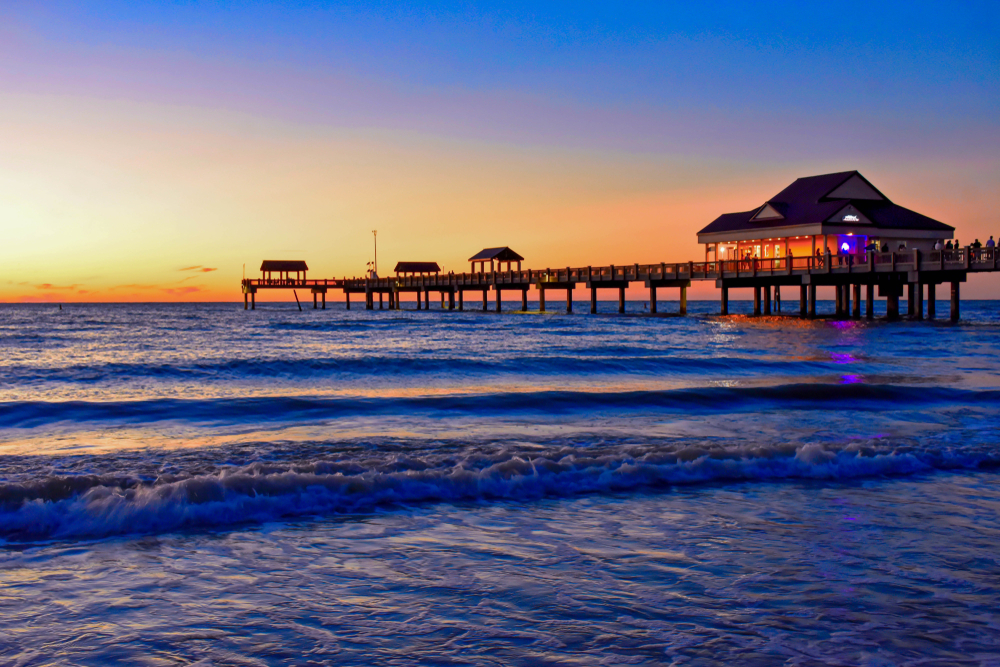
197, 484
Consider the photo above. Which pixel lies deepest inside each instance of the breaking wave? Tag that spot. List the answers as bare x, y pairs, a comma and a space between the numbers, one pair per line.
91, 506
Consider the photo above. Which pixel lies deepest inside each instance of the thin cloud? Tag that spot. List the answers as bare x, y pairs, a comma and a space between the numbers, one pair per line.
50, 286
199, 268
180, 291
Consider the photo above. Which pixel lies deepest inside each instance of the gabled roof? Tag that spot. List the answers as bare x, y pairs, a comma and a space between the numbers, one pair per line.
816, 199
504, 254
417, 267
283, 265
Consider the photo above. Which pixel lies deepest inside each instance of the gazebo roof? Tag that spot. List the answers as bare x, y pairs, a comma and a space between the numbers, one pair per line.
283, 265
417, 267
503, 254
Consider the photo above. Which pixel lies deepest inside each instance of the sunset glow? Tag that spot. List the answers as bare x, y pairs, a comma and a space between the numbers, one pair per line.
150, 152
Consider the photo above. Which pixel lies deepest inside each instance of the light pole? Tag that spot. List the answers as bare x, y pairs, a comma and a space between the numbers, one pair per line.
375, 237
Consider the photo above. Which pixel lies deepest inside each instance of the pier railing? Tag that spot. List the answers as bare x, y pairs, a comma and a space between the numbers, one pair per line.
961, 259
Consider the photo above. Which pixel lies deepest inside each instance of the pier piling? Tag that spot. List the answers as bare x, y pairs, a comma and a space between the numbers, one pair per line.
803, 301
652, 298
856, 312
931, 301
869, 301
954, 300
724, 301
621, 300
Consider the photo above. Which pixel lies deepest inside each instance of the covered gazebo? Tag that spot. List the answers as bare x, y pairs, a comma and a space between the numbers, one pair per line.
498, 255
284, 268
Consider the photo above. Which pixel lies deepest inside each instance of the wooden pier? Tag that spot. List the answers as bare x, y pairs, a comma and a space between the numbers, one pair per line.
890, 273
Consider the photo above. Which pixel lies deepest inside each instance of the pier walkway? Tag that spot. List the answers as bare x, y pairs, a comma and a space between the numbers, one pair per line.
889, 272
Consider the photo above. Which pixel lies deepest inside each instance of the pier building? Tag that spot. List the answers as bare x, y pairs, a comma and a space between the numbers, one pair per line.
840, 213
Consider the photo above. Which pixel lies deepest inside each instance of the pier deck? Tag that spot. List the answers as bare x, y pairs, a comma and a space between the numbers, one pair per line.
890, 272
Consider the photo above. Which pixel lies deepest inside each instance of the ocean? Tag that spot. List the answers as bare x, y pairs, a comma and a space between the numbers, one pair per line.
199, 484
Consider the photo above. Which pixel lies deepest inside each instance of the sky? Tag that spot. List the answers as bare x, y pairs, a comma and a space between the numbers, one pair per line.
156, 151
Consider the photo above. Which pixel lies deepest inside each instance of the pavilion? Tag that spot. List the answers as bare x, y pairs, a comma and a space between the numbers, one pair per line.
498, 255
842, 213
284, 268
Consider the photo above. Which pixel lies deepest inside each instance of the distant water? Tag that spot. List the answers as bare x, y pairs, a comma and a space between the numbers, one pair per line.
185, 483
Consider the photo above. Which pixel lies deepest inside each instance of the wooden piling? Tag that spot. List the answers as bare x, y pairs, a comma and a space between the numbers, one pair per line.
569, 299
485, 307
767, 299
812, 300
724, 301
869, 301
541, 299
427, 299
931, 301
524, 300
856, 312
593, 300
918, 301
892, 306
756, 300
461, 300
347, 300
499, 300
911, 301
621, 300
684, 301
955, 299
803, 301
246, 300
253, 301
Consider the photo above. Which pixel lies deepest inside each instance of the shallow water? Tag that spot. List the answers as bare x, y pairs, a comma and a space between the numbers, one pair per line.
195, 482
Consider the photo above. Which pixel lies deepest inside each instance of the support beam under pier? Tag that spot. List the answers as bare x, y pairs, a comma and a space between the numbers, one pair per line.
856, 312
724, 301
931, 301
869, 301
621, 300
652, 298
593, 300
756, 300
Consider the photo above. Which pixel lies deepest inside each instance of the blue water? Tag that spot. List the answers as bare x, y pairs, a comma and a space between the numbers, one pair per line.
197, 484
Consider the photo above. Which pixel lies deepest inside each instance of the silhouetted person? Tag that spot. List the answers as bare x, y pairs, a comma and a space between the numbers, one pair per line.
991, 243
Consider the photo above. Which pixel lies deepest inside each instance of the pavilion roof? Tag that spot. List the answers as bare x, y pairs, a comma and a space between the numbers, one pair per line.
831, 199
283, 265
503, 254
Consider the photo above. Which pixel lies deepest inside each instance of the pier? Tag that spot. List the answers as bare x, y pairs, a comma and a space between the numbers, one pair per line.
855, 278
832, 230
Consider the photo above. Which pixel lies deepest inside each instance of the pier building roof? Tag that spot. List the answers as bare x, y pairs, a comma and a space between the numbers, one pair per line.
417, 267
504, 254
283, 265
844, 202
